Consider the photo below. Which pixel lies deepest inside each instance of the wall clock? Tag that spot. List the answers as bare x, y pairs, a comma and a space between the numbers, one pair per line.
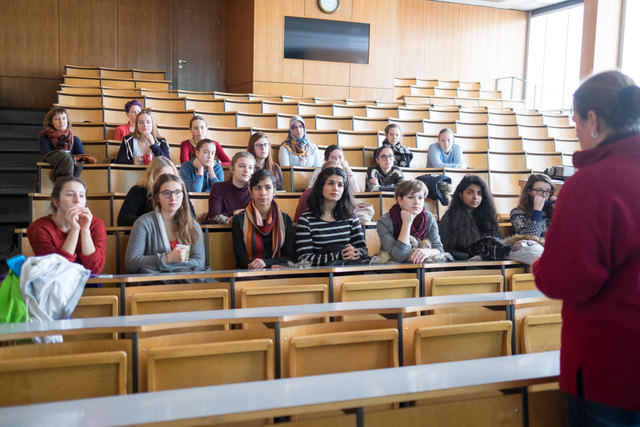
329, 6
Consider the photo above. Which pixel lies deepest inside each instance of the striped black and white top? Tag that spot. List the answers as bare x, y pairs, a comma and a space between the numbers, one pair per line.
320, 242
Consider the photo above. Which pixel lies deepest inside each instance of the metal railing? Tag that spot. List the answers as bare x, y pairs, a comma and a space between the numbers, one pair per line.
517, 88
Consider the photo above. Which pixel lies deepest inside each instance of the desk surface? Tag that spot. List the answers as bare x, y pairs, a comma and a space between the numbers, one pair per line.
165, 321
294, 395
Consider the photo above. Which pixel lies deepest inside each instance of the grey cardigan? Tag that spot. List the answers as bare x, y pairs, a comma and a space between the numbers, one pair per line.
400, 251
148, 244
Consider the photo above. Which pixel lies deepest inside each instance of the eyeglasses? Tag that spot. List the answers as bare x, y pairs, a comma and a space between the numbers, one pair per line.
541, 191
167, 194
266, 144
386, 157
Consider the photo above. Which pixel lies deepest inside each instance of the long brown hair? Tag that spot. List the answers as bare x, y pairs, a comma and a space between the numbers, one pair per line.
154, 129
183, 221
526, 201
269, 164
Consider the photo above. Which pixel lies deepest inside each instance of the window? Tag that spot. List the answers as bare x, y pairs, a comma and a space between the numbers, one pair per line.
553, 60
630, 36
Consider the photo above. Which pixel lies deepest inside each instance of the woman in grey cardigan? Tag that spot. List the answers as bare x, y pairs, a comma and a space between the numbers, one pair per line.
167, 239
409, 233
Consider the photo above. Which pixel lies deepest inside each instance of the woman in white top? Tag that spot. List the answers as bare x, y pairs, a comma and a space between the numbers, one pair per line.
297, 150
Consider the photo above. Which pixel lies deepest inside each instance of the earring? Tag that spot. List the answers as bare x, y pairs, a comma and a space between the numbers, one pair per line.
594, 134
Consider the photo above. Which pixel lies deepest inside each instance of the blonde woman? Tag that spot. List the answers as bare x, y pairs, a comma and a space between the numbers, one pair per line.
138, 200
143, 141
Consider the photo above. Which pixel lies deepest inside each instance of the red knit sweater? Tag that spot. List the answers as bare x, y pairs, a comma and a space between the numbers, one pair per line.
46, 238
591, 261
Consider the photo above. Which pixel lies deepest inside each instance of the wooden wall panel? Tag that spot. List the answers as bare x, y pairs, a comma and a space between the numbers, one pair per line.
88, 33
409, 37
29, 53
268, 52
278, 89
28, 92
145, 35
324, 72
321, 91
371, 94
239, 43
443, 38
30, 44
379, 71
485, 31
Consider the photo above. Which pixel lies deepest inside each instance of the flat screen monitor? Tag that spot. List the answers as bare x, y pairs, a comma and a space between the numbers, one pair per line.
326, 40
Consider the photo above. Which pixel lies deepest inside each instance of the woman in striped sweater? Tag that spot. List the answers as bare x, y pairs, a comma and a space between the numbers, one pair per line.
328, 232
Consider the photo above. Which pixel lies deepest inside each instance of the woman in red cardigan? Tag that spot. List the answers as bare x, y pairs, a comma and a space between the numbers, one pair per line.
591, 258
72, 231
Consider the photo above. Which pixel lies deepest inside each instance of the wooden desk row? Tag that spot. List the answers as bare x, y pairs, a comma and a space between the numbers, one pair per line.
448, 393
146, 331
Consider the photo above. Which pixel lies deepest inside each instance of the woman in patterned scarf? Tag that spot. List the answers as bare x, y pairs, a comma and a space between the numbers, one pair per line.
297, 150
262, 233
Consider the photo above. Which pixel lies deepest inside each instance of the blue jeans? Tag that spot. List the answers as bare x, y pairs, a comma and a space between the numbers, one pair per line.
584, 413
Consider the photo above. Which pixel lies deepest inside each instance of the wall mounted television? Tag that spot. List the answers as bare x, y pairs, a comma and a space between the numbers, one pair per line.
326, 40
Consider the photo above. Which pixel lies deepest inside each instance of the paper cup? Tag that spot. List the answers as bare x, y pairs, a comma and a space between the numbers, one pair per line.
187, 249
146, 159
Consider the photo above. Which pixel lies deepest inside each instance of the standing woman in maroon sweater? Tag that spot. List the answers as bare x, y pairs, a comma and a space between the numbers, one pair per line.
591, 258
72, 231
230, 197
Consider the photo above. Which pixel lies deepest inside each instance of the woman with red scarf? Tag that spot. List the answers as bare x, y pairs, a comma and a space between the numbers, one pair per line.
262, 234
408, 232
58, 146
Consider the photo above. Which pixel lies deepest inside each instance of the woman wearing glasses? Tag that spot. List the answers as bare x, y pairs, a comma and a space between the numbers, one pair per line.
260, 147
385, 176
533, 215
167, 239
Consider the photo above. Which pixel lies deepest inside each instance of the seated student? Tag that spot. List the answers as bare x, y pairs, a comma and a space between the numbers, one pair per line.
297, 150
445, 153
533, 214
138, 200
167, 239
144, 140
302, 201
408, 219
200, 173
385, 176
260, 147
392, 137
333, 153
470, 217
228, 198
72, 231
59, 147
329, 232
198, 127
262, 233
131, 109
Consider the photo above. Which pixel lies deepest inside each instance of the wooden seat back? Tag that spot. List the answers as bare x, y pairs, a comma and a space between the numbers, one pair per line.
343, 352
388, 289
272, 296
523, 282
467, 284
465, 341
206, 364
36, 373
177, 301
541, 332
